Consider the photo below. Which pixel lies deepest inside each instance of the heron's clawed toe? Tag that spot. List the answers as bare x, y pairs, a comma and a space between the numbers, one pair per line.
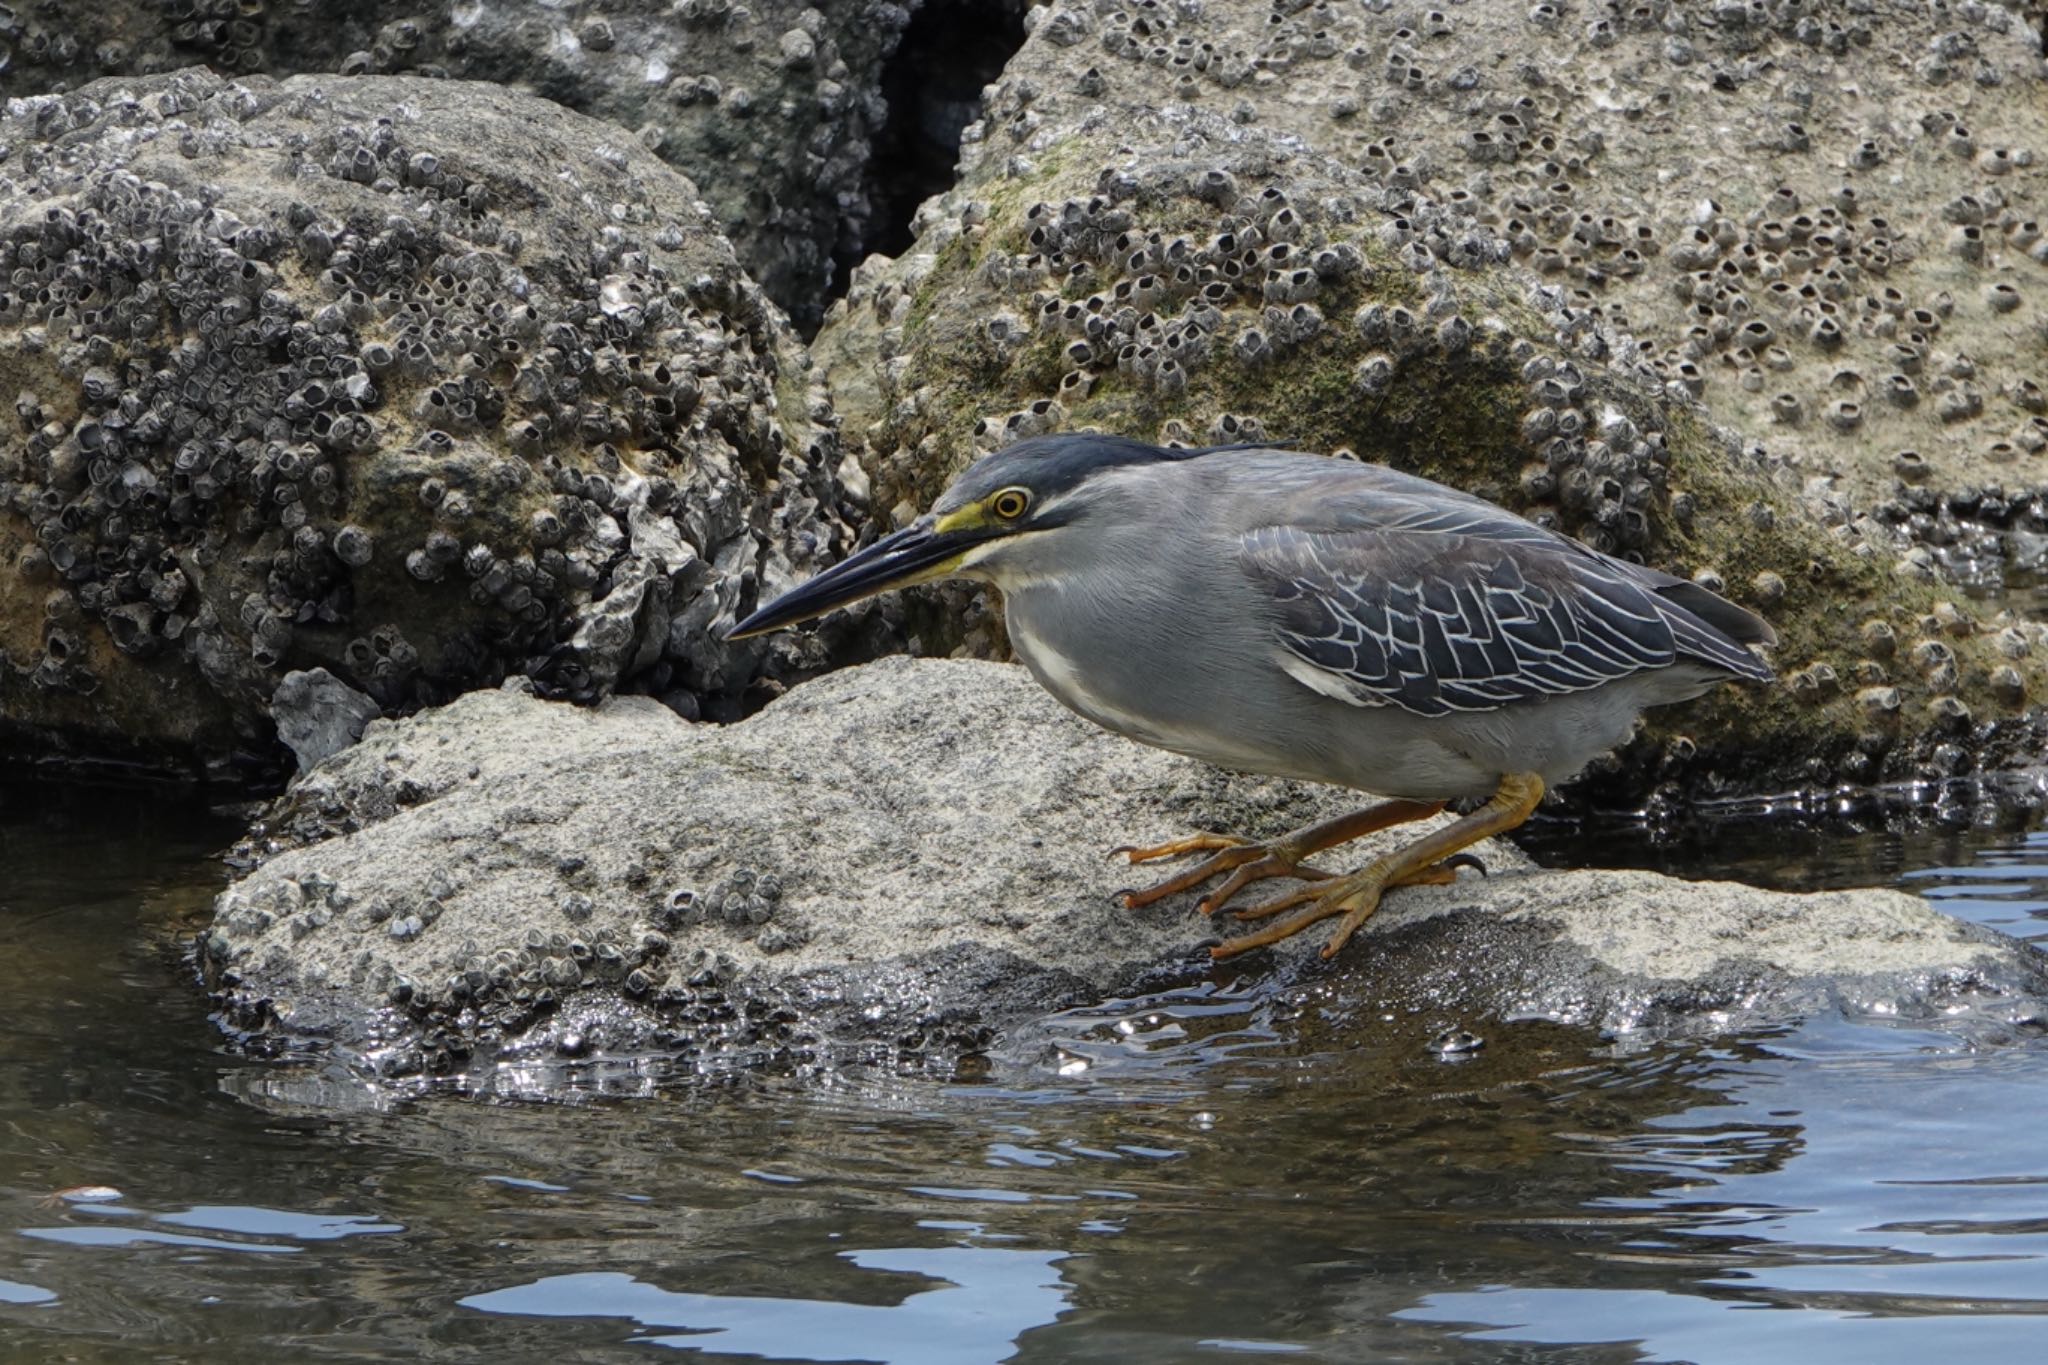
1178, 848
1246, 861
1440, 873
1272, 865
1355, 897
1237, 855
1281, 904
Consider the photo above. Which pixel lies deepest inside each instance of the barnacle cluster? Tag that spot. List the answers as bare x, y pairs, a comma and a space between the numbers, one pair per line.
649, 923
497, 993
1851, 261
317, 374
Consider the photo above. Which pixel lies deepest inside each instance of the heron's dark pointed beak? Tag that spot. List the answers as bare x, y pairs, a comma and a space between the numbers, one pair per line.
915, 554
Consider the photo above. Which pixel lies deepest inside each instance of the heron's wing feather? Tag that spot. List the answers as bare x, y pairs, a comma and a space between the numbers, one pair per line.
1386, 499
1458, 606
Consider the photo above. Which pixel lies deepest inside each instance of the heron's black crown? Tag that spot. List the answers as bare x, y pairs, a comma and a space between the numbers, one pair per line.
1050, 465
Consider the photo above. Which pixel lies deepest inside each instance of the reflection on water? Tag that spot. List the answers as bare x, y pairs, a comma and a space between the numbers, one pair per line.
1190, 1176
262, 1231
10, 1292
1813, 842
980, 1301
1711, 1331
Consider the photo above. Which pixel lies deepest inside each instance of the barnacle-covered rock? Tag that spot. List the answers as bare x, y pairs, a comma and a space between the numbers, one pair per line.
1495, 250
505, 880
414, 381
772, 106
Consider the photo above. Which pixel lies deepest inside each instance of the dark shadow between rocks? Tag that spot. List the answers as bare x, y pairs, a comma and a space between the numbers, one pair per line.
933, 85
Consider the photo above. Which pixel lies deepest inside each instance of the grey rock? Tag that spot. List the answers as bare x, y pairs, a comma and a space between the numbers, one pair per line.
396, 377
318, 715
904, 863
781, 146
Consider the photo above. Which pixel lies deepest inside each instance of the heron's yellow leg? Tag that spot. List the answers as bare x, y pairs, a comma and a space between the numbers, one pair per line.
1356, 895
1249, 860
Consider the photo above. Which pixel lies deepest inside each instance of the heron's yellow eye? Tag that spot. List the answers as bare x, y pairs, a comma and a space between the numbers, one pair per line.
1010, 504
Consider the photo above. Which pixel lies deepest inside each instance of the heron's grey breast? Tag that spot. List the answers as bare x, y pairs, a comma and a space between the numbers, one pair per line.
1169, 679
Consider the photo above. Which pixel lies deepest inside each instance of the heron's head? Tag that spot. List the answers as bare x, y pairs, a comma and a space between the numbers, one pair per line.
1005, 512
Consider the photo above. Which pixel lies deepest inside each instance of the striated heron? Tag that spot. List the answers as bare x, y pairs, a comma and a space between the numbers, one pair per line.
1278, 612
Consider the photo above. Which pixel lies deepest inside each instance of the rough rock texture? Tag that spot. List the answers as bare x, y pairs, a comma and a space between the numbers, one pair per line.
770, 105
896, 862
422, 382
1454, 239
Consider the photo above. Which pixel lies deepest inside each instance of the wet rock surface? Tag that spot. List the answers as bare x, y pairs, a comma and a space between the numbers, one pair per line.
772, 106
1487, 243
903, 864
423, 383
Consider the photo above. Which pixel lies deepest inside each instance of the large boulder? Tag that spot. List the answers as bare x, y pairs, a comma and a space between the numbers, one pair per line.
420, 382
773, 105
904, 863
1454, 241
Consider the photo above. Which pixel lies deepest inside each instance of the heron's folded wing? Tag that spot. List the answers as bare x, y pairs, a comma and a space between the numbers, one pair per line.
1435, 619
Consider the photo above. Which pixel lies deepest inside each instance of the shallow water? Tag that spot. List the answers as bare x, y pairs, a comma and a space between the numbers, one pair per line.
1178, 1182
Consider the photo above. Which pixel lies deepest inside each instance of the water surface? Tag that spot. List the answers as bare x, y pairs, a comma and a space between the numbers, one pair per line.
1183, 1178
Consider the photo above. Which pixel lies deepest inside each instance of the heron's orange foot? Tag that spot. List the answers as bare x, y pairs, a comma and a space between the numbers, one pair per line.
1248, 860
1435, 858
1355, 897
1245, 860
